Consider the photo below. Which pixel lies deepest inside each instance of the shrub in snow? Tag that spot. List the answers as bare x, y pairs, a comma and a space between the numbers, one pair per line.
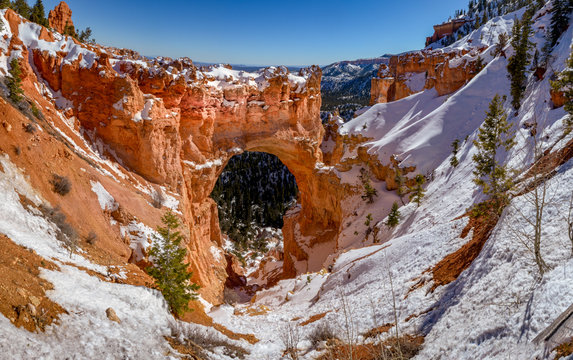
490, 174
60, 184
65, 232
322, 332
168, 269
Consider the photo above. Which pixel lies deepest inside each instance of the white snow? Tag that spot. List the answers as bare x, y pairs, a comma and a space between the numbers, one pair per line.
106, 201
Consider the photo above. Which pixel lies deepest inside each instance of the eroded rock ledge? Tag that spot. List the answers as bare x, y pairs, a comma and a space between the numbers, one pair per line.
177, 125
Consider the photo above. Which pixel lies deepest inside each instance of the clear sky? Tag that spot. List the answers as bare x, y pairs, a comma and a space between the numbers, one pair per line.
297, 32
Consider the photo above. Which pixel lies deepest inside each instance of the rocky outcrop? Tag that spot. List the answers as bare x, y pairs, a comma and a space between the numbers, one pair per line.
60, 17
177, 126
413, 72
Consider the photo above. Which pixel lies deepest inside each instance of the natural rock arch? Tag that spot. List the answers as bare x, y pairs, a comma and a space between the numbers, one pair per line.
177, 125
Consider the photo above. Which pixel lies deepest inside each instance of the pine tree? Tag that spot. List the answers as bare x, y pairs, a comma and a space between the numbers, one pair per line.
455, 148
14, 82
38, 14
168, 269
490, 174
22, 8
393, 217
559, 20
400, 183
418, 191
565, 84
502, 40
4, 4
517, 64
369, 191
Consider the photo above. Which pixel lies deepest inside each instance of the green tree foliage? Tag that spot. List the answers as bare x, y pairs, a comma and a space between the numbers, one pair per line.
393, 217
559, 19
4, 4
490, 174
22, 8
455, 148
369, 191
517, 64
400, 183
417, 191
14, 82
565, 84
253, 191
502, 41
38, 14
85, 36
169, 269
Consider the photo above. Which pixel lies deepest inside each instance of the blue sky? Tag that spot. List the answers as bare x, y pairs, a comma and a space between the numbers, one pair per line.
262, 32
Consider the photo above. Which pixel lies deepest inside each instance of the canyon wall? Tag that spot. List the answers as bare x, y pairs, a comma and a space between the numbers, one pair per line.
406, 74
177, 125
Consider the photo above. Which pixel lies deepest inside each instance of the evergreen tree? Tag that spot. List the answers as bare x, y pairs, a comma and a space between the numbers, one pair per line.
517, 64
38, 14
168, 269
455, 148
418, 191
559, 20
14, 82
5, 4
565, 84
502, 40
400, 183
393, 217
369, 191
490, 174
22, 8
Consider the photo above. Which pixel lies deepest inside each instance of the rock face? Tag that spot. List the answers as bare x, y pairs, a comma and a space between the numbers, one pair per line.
413, 72
177, 126
60, 17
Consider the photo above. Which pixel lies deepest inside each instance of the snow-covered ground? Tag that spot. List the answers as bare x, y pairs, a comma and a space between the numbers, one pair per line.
492, 311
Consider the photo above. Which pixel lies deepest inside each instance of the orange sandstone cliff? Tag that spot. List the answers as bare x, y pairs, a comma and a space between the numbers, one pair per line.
145, 126
406, 74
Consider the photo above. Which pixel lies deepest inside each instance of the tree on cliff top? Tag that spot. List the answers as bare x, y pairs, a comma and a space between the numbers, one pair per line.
38, 14
22, 8
168, 269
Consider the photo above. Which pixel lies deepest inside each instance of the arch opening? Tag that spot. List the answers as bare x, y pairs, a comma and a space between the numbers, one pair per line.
253, 193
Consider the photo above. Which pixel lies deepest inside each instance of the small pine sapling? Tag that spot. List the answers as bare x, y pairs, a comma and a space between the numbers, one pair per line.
495, 133
14, 82
455, 148
393, 217
369, 191
169, 269
418, 189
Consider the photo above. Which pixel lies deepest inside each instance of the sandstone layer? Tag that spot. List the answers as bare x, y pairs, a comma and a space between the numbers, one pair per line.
413, 72
177, 125
60, 17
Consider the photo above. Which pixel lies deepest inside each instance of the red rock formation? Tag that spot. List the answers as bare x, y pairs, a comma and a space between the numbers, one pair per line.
444, 71
60, 17
445, 29
178, 126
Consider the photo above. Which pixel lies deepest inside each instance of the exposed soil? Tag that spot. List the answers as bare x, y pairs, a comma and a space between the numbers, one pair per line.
314, 318
377, 331
23, 297
564, 350
403, 348
199, 316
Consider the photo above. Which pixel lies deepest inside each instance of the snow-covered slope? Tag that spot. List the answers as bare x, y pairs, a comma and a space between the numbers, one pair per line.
500, 303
